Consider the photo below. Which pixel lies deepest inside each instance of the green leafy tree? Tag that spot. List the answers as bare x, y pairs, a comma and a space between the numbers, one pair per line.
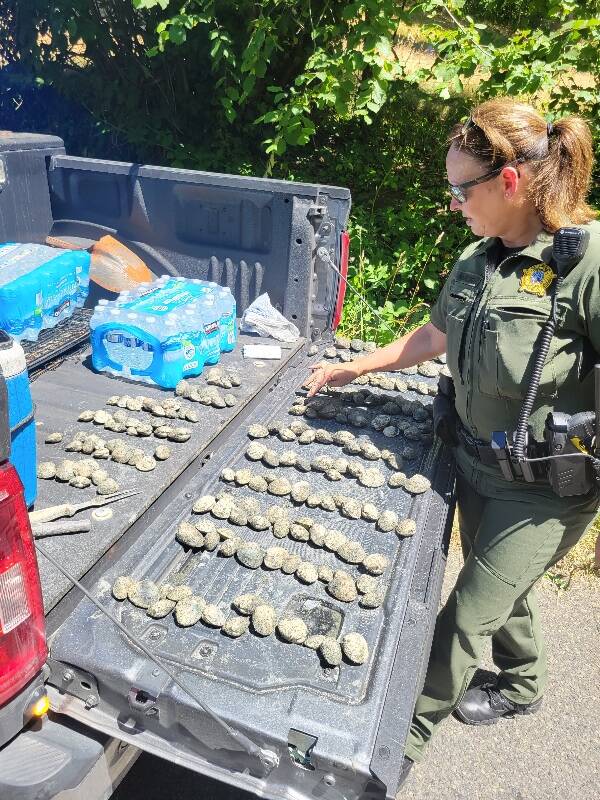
318, 89
291, 60
297, 61
556, 61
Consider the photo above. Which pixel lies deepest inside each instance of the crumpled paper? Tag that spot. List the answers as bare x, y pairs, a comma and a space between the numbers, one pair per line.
262, 318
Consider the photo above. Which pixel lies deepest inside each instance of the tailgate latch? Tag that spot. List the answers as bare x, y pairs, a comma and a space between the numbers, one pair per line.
140, 700
316, 212
300, 746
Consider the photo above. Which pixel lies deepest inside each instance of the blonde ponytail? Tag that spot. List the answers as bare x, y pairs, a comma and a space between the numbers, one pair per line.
559, 156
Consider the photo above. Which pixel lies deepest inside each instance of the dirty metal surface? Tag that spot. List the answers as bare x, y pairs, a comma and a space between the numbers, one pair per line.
71, 386
263, 685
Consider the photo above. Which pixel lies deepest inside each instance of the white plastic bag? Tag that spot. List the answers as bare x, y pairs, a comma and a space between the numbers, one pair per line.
260, 317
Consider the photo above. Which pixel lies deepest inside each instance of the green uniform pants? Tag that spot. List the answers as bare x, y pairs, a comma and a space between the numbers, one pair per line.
511, 534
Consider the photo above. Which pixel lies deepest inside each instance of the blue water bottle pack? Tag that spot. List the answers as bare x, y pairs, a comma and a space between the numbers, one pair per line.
163, 331
228, 315
20, 414
40, 286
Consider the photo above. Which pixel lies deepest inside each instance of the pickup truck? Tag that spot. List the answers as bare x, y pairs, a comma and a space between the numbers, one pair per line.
256, 713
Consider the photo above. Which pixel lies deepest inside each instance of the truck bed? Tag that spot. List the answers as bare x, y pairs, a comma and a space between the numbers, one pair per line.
336, 733
357, 717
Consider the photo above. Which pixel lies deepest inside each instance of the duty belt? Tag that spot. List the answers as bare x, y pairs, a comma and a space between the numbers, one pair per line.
485, 453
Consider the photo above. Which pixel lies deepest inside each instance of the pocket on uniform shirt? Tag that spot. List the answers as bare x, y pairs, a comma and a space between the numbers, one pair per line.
461, 294
508, 342
454, 332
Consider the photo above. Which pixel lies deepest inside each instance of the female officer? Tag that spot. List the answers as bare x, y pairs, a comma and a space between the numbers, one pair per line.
515, 179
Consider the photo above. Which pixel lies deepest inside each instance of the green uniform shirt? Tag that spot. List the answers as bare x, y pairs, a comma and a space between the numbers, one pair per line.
492, 319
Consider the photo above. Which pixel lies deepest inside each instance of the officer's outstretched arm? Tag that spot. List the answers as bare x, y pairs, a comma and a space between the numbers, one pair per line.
418, 345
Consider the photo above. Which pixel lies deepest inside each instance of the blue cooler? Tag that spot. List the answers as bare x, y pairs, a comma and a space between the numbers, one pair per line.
20, 414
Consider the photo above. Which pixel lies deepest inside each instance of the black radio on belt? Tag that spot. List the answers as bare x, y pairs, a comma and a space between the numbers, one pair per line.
568, 456
570, 438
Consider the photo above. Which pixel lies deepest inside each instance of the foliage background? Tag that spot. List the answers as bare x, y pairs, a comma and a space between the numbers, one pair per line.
360, 94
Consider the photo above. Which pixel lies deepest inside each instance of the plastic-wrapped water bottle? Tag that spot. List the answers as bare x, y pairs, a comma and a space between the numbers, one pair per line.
40, 286
228, 319
210, 319
226, 307
157, 334
82, 278
20, 293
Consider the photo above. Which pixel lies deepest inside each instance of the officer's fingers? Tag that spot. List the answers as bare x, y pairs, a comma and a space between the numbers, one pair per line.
312, 378
316, 387
336, 376
339, 376
317, 381
317, 370
320, 365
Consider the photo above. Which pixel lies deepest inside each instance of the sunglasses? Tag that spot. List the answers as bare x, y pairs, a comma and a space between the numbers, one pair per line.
458, 190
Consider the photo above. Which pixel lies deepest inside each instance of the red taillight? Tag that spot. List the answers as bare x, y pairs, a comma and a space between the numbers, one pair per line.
23, 648
344, 255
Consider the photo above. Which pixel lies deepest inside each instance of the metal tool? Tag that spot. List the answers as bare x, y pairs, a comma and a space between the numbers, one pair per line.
69, 509
42, 529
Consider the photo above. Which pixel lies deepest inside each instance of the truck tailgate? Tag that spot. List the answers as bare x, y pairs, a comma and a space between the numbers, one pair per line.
336, 732
62, 392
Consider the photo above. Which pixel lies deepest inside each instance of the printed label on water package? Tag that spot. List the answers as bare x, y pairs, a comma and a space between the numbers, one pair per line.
164, 299
211, 327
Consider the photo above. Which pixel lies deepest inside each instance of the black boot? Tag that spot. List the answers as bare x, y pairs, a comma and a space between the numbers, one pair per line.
485, 705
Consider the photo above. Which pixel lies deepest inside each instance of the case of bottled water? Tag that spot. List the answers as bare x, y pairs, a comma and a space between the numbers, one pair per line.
40, 286
228, 310
163, 331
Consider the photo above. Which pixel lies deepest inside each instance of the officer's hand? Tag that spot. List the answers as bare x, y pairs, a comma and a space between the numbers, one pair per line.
328, 375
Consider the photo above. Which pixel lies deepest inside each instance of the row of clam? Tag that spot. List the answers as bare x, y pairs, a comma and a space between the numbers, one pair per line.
343, 344
223, 378
340, 584
135, 426
303, 492
118, 450
360, 407
206, 396
243, 511
388, 383
334, 469
78, 474
428, 369
168, 408
302, 433
393, 406
253, 614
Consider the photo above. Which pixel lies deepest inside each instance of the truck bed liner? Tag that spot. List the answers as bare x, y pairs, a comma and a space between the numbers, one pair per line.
61, 393
357, 716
